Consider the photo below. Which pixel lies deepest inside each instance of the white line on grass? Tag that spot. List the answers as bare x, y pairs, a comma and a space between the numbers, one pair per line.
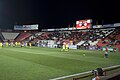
69, 76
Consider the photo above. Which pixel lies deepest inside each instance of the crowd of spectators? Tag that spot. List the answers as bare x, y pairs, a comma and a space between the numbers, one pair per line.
73, 37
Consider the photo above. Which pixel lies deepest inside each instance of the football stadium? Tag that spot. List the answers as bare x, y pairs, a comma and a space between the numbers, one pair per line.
81, 52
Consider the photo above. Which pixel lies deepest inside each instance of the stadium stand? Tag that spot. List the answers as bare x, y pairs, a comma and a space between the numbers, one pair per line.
80, 43
1, 37
23, 36
84, 38
9, 35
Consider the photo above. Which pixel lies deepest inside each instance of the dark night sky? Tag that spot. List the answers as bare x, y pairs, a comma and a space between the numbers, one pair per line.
57, 13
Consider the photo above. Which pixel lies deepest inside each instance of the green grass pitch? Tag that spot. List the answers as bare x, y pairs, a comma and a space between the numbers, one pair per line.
47, 63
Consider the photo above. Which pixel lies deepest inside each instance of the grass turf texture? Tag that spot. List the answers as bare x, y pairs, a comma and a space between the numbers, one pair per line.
47, 63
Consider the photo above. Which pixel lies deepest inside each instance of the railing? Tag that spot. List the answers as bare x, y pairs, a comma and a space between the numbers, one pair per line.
89, 74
